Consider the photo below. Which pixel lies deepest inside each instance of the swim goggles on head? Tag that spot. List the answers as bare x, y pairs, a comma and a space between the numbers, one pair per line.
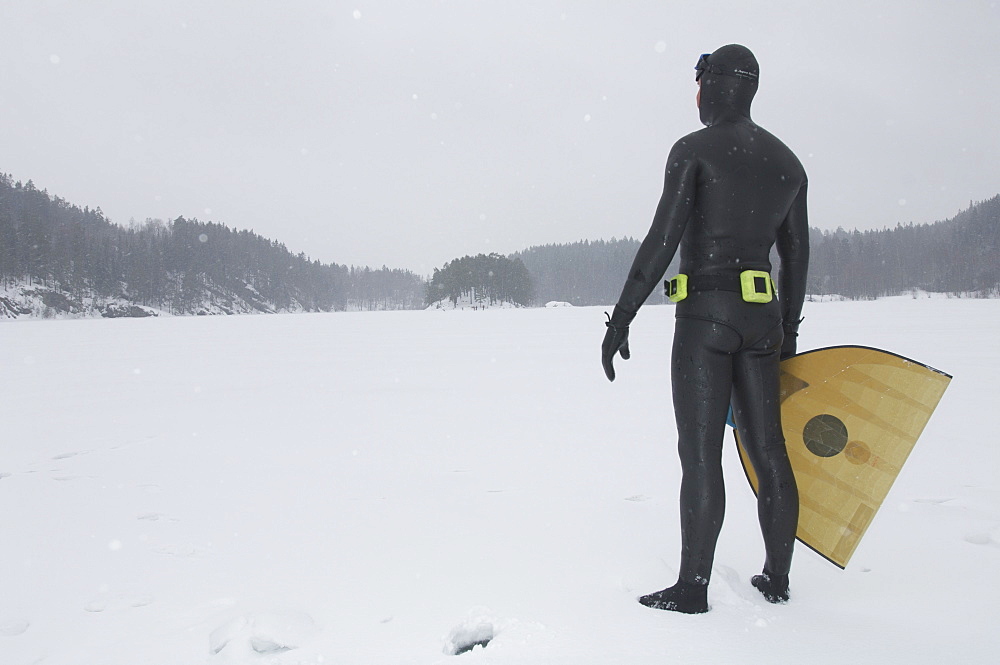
705, 66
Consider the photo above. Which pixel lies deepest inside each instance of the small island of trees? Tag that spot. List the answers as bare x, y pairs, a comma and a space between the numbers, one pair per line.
486, 279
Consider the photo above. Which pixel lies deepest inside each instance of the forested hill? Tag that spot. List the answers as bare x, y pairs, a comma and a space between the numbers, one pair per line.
960, 255
76, 261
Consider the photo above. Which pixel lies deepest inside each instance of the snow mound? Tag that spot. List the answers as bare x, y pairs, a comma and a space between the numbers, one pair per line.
476, 631
261, 634
557, 303
481, 629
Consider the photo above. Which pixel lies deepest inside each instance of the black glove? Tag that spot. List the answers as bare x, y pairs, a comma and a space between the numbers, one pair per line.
788, 345
615, 340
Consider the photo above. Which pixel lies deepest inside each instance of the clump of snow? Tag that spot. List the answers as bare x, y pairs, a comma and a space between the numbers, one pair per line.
557, 303
476, 631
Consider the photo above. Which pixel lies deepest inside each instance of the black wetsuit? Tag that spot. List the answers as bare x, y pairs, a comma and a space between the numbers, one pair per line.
732, 190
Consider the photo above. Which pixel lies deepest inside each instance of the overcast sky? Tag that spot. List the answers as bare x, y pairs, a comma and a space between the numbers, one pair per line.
411, 132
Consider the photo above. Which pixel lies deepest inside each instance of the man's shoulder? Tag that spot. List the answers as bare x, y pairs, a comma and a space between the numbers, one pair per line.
779, 144
694, 137
688, 145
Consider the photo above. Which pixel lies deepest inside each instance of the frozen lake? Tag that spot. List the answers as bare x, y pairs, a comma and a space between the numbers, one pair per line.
364, 487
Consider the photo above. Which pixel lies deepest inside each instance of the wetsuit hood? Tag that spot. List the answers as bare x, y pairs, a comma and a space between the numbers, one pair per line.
728, 85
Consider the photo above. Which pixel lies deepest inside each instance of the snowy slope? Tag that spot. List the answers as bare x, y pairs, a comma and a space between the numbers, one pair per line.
378, 487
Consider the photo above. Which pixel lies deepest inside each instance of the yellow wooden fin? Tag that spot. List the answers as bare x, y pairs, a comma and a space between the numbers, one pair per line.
850, 416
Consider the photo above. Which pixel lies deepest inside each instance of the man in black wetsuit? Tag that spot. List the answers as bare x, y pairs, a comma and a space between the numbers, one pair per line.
732, 190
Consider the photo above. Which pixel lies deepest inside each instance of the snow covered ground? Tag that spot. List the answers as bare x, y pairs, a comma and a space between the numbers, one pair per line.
387, 487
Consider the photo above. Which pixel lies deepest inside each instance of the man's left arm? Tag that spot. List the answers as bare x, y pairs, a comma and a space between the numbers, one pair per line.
655, 252
660, 244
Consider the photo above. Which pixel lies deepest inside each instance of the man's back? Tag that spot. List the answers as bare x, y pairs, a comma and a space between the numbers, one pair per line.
747, 180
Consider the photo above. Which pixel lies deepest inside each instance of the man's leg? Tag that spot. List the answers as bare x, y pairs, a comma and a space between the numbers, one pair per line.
701, 374
756, 409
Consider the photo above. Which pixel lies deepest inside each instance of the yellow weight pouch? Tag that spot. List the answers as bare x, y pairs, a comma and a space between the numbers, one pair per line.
677, 288
756, 286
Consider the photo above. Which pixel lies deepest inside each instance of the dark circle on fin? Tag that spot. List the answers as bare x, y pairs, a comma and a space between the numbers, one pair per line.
825, 435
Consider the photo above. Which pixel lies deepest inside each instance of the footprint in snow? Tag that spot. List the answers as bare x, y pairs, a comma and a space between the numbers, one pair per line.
262, 633
734, 586
118, 602
156, 517
937, 501
979, 538
74, 453
184, 550
13, 627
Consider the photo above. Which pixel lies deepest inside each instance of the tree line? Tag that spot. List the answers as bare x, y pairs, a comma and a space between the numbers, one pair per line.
181, 265
959, 256
178, 265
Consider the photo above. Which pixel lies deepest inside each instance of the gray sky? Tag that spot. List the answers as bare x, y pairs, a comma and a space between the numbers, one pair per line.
411, 132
